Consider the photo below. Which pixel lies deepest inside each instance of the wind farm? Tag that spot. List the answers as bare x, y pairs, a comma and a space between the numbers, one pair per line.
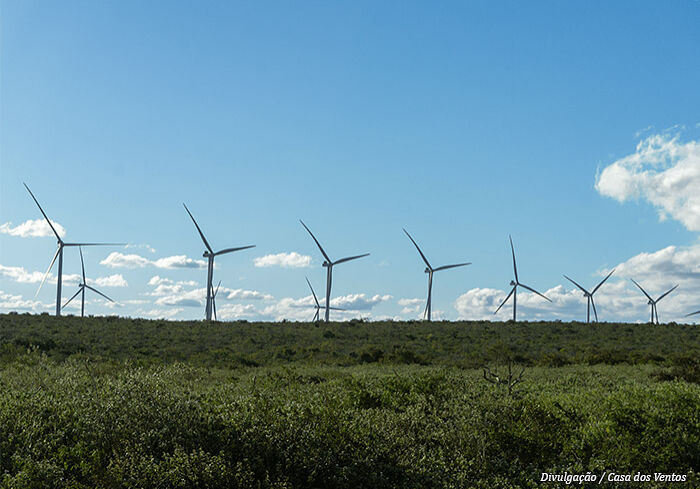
166, 350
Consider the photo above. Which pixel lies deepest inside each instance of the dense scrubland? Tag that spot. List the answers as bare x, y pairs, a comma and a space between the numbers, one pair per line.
119, 403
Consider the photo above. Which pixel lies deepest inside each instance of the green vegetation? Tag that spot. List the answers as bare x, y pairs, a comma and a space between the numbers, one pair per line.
462, 344
115, 403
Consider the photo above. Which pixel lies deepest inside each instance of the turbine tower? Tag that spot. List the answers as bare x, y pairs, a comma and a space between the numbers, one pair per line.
59, 254
589, 296
82, 286
209, 254
329, 264
317, 305
652, 302
213, 299
430, 270
516, 283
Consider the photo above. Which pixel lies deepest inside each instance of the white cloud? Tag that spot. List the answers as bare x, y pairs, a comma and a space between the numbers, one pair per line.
17, 303
22, 276
32, 228
664, 172
178, 261
359, 302
158, 280
410, 306
160, 313
240, 294
284, 260
121, 260
19, 274
116, 280
237, 311
174, 294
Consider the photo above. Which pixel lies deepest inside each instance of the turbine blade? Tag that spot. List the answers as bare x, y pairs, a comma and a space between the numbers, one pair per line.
42, 211
445, 267
98, 292
692, 314
668, 292
312, 291
533, 290
505, 300
512, 250
231, 250
82, 263
418, 248
603, 281
94, 244
640, 288
48, 270
206, 243
577, 285
74, 296
343, 260
594, 311
317, 243
217, 289
337, 309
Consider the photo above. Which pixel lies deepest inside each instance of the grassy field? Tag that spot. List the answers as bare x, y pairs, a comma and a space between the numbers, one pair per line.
112, 403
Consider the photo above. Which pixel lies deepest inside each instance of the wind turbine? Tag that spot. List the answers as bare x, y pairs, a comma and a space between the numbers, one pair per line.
59, 254
213, 299
516, 283
430, 270
317, 305
652, 302
82, 286
209, 254
589, 296
329, 264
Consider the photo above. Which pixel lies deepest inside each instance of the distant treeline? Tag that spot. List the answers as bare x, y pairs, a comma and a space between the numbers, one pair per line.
463, 344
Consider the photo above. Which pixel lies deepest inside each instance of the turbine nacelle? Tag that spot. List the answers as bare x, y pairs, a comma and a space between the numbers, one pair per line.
326, 264
513, 283
428, 270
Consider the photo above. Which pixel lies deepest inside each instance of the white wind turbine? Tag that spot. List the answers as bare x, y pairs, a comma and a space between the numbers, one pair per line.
317, 305
82, 286
589, 296
59, 254
516, 283
329, 264
430, 270
652, 302
209, 254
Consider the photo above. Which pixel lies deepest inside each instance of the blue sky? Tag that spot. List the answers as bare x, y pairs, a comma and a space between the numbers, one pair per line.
571, 126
